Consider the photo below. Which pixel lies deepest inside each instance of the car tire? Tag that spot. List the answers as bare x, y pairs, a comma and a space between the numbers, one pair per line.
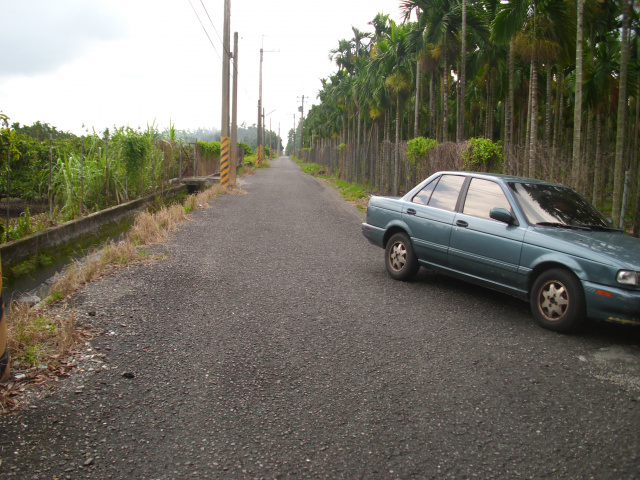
557, 301
400, 259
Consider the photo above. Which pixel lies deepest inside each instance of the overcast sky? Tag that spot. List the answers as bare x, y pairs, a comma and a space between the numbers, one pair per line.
84, 64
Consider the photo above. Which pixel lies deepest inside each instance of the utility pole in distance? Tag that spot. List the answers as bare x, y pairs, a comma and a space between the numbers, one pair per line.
234, 113
224, 134
260, 138
302, 125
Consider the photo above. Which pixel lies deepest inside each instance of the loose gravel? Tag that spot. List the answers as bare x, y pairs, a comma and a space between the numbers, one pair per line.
272, 344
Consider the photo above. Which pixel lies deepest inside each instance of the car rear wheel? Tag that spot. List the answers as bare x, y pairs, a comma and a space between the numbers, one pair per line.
557, 300
400, 259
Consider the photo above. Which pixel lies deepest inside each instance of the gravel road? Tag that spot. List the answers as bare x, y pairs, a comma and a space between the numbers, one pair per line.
271, 343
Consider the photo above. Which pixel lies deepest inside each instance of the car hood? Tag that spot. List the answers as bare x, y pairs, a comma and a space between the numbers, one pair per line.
608, 247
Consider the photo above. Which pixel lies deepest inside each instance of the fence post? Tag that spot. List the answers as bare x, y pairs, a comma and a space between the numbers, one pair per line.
4, 351
50, 177
81, 176
195, 155
8, 188
106, 172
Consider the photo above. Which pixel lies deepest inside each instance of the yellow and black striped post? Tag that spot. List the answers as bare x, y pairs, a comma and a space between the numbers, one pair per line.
4, 351
225, 177
259, 156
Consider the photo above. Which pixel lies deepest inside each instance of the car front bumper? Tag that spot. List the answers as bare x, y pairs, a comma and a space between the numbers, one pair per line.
612, 304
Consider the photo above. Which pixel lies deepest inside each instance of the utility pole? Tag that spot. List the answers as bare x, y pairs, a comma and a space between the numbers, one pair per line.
234, 113
294, 135
259, 143
224, 140
302, 125
261, 111
270, 135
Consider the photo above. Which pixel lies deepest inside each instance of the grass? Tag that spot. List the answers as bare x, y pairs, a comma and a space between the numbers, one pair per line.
42, 337
351, 192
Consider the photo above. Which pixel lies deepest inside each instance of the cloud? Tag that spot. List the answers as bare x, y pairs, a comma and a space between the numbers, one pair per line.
39, 36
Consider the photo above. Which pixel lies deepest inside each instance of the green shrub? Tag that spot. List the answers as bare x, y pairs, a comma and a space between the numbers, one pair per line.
247, 148
482, 154
418, 149
311, 168
209, 149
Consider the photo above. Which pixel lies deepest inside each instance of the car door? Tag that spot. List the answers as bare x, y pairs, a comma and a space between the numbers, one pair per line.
486, 249
430, 215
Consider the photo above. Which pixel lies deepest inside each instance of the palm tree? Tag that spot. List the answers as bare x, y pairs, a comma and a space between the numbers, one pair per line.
538, 33
439, 20
391, 61
618, 174
577, 112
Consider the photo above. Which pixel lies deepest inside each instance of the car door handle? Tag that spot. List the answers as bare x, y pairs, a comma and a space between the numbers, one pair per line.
411, 211
462, 223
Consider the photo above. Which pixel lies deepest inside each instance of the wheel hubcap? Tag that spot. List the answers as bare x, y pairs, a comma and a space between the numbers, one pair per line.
398, 256
553, 300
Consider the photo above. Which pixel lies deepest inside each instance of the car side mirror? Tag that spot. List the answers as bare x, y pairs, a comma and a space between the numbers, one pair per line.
502, 215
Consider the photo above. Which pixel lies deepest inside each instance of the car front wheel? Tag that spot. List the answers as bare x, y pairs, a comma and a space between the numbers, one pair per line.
400, 260
557, 301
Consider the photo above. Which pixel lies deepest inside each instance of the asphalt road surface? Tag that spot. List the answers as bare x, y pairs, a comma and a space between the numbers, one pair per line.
272, 344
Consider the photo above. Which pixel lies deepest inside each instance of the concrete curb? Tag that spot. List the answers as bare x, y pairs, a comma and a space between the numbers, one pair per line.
17, 251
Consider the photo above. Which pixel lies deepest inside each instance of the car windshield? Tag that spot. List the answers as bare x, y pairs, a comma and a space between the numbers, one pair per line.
555, 205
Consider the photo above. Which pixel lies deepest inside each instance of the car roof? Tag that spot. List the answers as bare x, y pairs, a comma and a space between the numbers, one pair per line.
502, 177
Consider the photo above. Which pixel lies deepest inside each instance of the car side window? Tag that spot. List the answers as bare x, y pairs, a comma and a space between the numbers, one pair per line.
424, 195
446, 193
482, 196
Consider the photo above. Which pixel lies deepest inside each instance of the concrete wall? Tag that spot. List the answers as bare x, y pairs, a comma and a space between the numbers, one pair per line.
16, 251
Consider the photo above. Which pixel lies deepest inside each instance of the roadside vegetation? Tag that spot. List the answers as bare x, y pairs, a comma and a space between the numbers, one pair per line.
43, 338
547, 90
351, 192
48, 176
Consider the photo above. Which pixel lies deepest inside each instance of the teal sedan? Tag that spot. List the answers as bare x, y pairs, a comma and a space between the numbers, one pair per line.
536, 240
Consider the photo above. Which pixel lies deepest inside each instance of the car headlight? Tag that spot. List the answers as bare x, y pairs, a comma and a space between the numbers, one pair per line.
628, 277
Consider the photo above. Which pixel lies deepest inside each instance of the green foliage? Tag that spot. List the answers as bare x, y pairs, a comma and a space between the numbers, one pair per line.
85, 171
483, 155
341, 147
418, 149
312, 168
134, 147
350, 191
23, 227
247, 148
209, 149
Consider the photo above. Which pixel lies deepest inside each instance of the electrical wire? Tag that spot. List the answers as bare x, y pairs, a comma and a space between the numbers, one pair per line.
234, 70
205, 30
211, 21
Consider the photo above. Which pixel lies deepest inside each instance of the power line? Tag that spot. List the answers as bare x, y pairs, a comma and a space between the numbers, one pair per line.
205, 30
211, 21
235, 68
